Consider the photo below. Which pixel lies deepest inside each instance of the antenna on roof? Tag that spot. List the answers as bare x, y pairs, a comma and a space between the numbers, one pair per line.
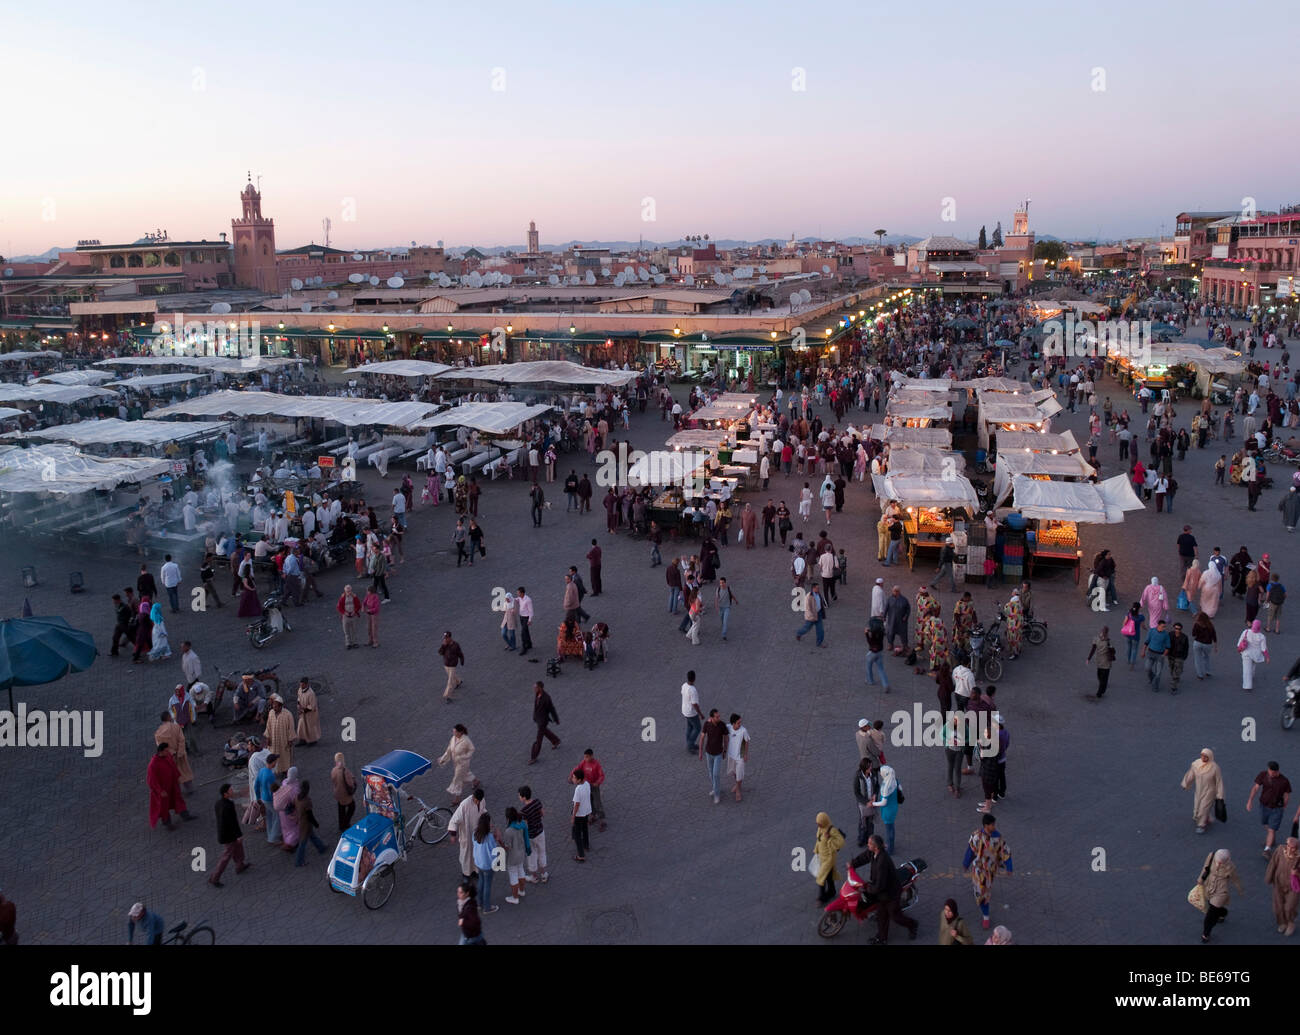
325, 224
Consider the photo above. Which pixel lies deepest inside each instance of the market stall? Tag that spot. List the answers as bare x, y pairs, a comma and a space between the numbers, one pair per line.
932, 507
939, 438
1056, 509
1059, 466
540, 372
924, 460
112, 432
1000, 412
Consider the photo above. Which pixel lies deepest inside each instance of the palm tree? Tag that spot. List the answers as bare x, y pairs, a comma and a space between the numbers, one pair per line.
880, 236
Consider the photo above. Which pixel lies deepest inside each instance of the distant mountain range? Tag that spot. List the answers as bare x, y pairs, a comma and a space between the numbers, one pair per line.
46, 256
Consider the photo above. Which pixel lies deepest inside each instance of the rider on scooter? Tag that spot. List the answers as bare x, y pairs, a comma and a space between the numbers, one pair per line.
882, 889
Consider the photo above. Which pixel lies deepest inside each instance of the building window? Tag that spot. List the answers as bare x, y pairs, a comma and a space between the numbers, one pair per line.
171, 259
134, 261
117, 262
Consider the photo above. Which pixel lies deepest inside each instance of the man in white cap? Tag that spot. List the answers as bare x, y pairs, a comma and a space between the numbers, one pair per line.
878, 600
871, 741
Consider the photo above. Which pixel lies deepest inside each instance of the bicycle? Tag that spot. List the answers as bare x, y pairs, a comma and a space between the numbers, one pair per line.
431, 824
199, 934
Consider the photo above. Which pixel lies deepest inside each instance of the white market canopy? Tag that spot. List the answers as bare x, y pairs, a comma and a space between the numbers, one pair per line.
212, 364
349, 412
720, 411
491, 418
923, 410
9, 412
403, 368
926, 491
1082, 502
1004, 385
1051, 465
23, 357
698, 438
547, 371
1008, 412
1037, 442
924, 460
737, 399
145, 432
941, 438
154, 380
927, 384
63, 470
664, 468
63, 394
75, 377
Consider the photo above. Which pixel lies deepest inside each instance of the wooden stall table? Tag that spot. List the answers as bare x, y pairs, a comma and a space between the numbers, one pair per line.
1056, 543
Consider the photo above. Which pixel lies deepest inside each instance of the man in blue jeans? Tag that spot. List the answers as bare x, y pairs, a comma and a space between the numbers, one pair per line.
725, 599
812, 616
876, 653
713, 749
691, 710
1154, 650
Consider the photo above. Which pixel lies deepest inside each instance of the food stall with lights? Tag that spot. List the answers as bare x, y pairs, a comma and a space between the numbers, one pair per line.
1056, 509
932, 507
937, 438
999, 412
680, 479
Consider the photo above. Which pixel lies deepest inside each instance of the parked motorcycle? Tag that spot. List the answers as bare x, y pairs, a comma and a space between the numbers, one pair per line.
1291, 709
271, 624
986, 650
851, 901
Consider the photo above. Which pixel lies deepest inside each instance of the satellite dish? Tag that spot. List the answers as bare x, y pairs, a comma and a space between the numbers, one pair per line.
296, 284
9, 271
506, 278
220, 307
374, 282
654, 270
643, 274
689, 280
318, 280
358, 257
590, 278
762, 269
660, 278
618, 281
762, 279
719, 278
444, 280
357, 278
552, 280
332, 295
439, 244
629, 271
306, 307
826, 270
395, 282
807, 296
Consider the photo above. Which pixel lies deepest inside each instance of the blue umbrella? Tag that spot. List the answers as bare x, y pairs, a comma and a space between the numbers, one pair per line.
34, 651
1004, 343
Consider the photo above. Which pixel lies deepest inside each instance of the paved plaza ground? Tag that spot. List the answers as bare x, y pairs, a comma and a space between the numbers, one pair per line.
672, 867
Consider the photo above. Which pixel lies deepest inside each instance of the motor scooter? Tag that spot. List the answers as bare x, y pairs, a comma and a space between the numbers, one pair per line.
853, 901
271, 624
1291, 707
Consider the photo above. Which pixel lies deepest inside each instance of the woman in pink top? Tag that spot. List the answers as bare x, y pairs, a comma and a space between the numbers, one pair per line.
370, 605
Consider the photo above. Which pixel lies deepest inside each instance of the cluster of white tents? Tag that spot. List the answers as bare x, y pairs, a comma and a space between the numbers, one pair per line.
64, 470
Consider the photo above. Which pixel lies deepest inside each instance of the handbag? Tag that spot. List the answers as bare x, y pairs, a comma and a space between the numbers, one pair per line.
1220, 810
1129, 628
1197, 897
1295, 881
1183, 603
901, 799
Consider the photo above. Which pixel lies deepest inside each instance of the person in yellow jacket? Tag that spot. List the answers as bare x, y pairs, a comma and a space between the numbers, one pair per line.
829, 842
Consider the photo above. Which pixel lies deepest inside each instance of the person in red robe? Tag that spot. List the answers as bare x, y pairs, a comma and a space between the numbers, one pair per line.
164, 780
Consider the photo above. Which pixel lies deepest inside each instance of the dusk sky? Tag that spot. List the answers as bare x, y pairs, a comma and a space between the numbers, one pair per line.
123, 119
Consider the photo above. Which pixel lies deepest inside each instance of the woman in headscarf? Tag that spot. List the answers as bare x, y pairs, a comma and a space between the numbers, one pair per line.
143, 631
432, 488
888, 804
1205, 774
1254, 595
1211, 587
1215, 876
308, 714
158, 634
1252, 645
1155, 601
1263, 569
1015, 614
1238, 569
827, 846
249, 604
952, 928
749, 525
256, 763
285, 805
460, 749
1192, 584
1283, 876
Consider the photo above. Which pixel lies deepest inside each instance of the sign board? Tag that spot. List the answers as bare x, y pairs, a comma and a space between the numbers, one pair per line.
324, 461
178, 468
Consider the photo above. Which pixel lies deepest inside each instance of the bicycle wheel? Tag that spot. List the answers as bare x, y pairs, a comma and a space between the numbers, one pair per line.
993, 669
1036, 633
832, 923
436, 825
379, 887
201, 935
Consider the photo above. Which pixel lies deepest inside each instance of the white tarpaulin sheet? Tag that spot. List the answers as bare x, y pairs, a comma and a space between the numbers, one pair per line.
1060, 465
23, 357
697, 438
1001, 385
736, 399
664, 467
145, 432
1037, 441
217, 364
918, 410
7, 412
489, 418
63, 394
940, 438
928, 384
1006, 412
155, 380
75, 377
546, 371
403, 368
64, 470
1083, 502
350, 412
718, 411
926, 491
924, 460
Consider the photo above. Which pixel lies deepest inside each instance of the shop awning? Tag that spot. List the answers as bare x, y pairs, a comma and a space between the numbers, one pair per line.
113, 430
1082, 502
1051, 465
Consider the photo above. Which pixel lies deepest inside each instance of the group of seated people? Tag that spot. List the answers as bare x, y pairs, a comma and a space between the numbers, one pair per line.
572, 642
